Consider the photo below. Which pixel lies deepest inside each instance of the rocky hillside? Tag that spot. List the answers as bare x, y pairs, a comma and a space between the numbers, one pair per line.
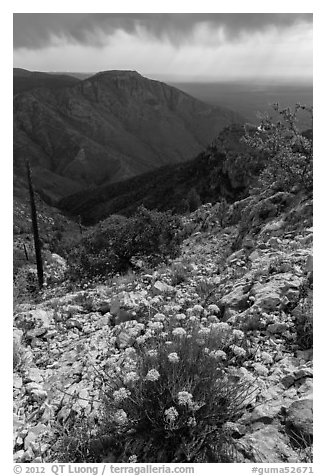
252, 287
109, 127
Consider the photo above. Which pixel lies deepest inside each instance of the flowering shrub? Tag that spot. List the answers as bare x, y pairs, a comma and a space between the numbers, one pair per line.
173, 396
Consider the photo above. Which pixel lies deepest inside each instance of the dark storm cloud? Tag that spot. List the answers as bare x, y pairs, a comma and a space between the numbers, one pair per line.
39, 30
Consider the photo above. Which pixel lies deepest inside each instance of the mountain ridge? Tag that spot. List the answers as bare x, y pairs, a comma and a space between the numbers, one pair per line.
25, 80
109, 127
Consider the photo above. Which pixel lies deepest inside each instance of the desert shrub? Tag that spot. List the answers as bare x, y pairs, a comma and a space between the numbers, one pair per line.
74, 442
17, 357
289, 152
154, 234
205, 290
180, 272
25, 285
20, 358
114, 244
222, 212
172, 397
304, 322
304, 446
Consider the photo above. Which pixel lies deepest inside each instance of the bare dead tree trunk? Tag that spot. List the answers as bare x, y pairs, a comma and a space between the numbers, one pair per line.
25, 250
37, 243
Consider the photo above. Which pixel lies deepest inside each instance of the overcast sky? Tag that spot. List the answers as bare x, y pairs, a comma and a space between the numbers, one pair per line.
185, 46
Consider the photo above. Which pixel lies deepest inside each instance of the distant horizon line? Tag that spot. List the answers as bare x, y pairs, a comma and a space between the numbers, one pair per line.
187, 79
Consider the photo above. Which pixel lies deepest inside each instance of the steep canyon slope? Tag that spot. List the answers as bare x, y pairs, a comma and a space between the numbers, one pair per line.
112, 126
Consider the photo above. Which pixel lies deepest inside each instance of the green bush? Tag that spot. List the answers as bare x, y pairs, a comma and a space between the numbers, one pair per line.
111, 245
289, 153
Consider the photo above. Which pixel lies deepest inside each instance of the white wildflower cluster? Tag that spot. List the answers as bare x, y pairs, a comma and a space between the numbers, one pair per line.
152, 375
129, 364
191, 422
152, 353
130, 377
120, 417
204, 331
238, 351
155, 326
130, 352
179, 332
197, 309
132, 459
218, 354
220, 327
171, 414
213, 309
121, 394
159, 317
141, 340
180, 317
266, 358
133, 327
193, 319
185, 398
237, 334
175, 308
149, 333
173, 357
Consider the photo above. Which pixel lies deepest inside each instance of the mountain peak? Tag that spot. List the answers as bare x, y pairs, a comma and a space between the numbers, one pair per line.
118, 74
